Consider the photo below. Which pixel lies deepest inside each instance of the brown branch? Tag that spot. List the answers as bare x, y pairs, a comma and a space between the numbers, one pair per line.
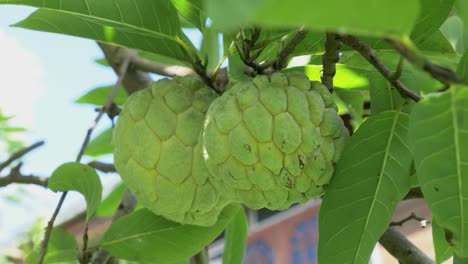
440, 73
19, 154
159, 68
121, 75
329, 60
412, 216
101, 166
402, 249
372, 58
15, 176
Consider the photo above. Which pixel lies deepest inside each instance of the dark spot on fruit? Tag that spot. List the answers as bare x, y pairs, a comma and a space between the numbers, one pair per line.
247, 147
436, 189
301, 161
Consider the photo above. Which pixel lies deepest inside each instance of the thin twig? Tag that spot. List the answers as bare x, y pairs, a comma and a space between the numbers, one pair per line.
412, 216
101, 166
159, 68
15, 176
19, 154
372, 58
329, 60
440, 73
110, 99
283, 57
402, 249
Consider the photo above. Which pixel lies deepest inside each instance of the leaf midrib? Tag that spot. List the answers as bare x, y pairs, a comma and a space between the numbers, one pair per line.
458, 161
387, 152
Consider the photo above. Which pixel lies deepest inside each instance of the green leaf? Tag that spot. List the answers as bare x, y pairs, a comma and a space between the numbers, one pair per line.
143, 236
441, 247
78, 177
235, 239
109, 205
147, 25
210, 47
370, 180
384, 96
432, 15
62, 248
454, 31
458, 260
192, 11
98, 96
462, 68
363, 17
353, 102
100, 145
439, 136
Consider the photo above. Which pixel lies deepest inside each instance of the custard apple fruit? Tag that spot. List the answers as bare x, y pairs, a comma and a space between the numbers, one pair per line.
157, 152
273, 141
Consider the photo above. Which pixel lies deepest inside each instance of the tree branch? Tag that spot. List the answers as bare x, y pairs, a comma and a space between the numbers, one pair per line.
19, 154
402, 249
121, 75
442, 74
372, 58
101, 166
15, 176
329, 60
412, 216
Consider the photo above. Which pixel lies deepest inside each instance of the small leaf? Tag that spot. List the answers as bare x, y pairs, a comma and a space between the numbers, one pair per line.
109, 205
101, 144
78, 177
442, 249
146, 237
192, 11
370, 180
210, 47
235, 239
62, 248
332, 15
439, 136
98, 96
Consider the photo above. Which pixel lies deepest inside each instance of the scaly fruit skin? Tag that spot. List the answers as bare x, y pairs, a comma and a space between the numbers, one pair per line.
157, 152
272, 142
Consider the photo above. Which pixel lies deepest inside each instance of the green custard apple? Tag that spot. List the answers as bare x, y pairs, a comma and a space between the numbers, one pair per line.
157, 152
273, 141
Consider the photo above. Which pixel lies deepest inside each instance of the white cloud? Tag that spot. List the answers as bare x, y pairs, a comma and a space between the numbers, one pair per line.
21, 81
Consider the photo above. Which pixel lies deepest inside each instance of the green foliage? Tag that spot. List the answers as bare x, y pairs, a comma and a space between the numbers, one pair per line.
62, 248
370, 180
442, 249
143, 236
101, 144
235, 239
258, 136
78, 177
99, 95
438, 138
375, 20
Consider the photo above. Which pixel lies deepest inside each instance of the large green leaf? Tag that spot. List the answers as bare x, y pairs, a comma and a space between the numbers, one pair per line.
441, 247
364, 17
192, 11
147, 25
62, 248
439, 140
431, 16
101, 144
143, 236
210, 47
458, 260
78, 177
370, 180
235, 239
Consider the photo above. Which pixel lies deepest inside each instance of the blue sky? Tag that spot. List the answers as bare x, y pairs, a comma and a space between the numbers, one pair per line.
41, 75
